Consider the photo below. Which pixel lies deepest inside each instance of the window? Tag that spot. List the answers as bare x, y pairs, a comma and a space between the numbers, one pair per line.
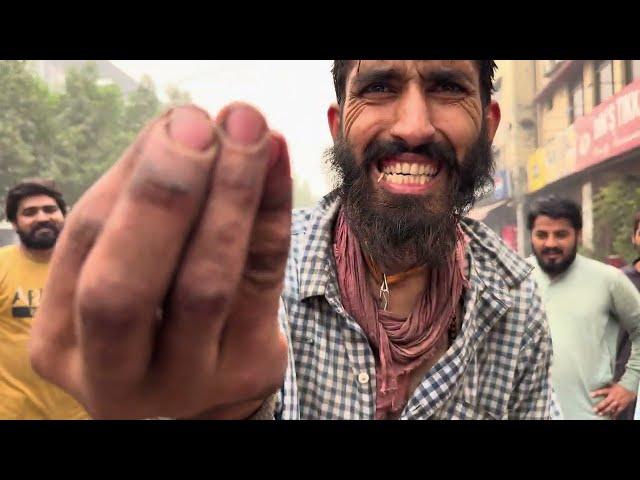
632, 70
548, 104
576, 100
604, 80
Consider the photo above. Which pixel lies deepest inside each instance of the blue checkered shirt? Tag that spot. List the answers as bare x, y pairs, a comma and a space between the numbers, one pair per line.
497, 367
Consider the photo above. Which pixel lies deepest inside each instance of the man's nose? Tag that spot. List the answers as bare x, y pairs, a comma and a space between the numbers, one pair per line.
413, 118
551, 242
42, 216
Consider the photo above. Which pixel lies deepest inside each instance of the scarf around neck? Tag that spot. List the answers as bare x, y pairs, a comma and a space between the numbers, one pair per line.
401, 344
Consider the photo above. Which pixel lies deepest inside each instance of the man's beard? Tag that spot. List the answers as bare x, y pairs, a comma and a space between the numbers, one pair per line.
395, 228
558, 267
43, 241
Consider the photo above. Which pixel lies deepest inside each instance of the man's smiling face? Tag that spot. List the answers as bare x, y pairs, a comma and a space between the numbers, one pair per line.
412, 145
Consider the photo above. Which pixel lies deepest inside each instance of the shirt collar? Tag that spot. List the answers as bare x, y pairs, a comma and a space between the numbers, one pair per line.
493, 266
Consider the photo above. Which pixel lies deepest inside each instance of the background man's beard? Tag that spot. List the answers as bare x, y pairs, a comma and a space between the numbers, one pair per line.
395, 228
33, 241
558, 267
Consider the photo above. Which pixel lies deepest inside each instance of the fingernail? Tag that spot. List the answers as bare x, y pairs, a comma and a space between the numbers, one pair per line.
244, 125
191, 127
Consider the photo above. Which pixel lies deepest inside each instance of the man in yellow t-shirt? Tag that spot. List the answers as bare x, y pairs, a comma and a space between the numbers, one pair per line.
36, 210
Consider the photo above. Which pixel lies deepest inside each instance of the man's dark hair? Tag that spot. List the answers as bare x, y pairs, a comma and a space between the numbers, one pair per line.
486, 68
29, 188
636, 223
554, 207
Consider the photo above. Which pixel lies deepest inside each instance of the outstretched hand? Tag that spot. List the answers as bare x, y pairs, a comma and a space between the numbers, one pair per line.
163, 292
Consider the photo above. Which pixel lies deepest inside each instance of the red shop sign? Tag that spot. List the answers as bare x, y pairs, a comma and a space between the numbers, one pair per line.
612, 128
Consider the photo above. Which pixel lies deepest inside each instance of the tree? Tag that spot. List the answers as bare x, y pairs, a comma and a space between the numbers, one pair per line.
74, 136
613, 209
90, 135
177, 97
141, 106
27, 126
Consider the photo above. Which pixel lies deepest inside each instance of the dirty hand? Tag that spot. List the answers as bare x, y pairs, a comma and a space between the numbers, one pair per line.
163, 292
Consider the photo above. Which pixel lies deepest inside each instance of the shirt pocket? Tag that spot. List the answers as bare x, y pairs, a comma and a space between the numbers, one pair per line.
463, 410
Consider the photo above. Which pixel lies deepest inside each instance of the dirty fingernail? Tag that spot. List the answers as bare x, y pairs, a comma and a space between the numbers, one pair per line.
191, 127
244, 125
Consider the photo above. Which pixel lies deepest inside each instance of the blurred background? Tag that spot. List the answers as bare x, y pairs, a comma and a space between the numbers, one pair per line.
569, 127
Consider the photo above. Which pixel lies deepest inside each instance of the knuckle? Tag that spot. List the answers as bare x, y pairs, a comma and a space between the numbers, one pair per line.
241, 185
264, 270
108, 305
150, 185
230, 230
83, 230
203, 295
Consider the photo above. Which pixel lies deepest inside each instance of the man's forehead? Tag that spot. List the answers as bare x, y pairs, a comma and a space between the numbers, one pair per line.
543, 222
421, 66
37, 201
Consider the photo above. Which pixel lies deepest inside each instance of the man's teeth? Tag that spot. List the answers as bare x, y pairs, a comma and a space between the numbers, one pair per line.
417, 173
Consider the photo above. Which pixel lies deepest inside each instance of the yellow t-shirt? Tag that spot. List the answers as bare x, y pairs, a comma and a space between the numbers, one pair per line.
24, 394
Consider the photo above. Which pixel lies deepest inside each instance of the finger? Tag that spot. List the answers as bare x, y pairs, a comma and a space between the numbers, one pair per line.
216, 254
53, 334
262, 284
601, 392
127, 273
611, 409
603, 405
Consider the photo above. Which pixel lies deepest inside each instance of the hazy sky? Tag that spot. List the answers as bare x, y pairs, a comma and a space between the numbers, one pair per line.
293, 95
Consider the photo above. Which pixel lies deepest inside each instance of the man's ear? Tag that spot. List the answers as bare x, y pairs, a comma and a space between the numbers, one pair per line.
579, 237
335, 122
493, 119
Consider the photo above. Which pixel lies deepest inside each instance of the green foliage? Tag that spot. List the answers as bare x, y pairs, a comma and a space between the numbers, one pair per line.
27, 124
614, 207
177, 97
76, 135
73, 136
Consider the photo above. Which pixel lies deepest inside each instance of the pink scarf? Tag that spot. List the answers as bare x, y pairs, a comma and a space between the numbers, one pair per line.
402, 344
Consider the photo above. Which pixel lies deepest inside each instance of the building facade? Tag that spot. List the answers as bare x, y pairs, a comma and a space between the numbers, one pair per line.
569, 127
53, 72
503, 208
588, 123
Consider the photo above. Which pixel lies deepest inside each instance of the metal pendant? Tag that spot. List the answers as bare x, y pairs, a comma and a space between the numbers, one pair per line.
384, 293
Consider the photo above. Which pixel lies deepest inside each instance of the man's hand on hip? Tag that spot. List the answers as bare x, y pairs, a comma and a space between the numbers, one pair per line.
617, 398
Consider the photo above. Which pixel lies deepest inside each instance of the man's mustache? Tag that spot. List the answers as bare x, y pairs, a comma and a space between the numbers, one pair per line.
441, 152
548, 251
43, 225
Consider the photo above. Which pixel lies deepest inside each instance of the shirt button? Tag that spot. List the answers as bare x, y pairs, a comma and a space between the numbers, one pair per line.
363, 377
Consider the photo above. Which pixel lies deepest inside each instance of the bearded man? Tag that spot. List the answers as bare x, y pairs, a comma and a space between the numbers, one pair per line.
194, 293
36, 211
588, 304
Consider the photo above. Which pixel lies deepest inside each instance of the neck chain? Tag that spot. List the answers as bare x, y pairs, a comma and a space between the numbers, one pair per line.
385, 280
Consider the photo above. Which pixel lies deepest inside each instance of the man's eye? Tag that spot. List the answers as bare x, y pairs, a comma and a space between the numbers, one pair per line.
29, 212
450, 87
377, 88
51, 209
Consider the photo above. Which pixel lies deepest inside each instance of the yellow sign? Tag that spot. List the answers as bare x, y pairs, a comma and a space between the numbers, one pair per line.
537, 170
557, 159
